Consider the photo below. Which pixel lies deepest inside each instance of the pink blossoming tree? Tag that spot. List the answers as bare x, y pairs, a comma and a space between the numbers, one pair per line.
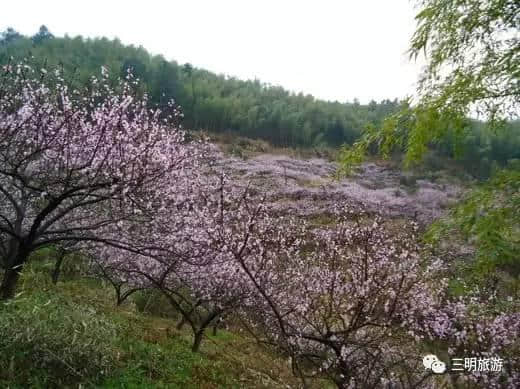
197, 269
73, 164
350, 302
361, 306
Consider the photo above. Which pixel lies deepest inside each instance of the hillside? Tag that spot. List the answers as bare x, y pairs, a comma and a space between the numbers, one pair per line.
309, 187
217, 103
74, 336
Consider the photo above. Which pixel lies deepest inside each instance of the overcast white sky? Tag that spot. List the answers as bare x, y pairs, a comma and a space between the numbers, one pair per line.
335, 50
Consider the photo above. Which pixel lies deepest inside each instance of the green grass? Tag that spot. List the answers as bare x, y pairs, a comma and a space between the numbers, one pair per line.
72, 335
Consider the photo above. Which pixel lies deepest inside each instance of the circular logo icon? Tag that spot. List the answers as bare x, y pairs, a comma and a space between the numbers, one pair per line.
428, 361
438, 367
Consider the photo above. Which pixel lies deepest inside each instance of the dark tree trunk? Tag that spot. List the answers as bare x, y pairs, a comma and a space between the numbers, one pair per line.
217, 323
119, 298
197, 340
213, 318
122, 296
12, 273
9, 282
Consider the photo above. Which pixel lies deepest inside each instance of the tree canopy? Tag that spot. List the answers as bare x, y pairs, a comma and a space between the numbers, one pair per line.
75, 163
472, 48
472, 53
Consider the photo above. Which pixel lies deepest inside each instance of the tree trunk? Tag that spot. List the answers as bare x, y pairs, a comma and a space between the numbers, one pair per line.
197, 339
217, 323
119, 298
12, 273
9, 282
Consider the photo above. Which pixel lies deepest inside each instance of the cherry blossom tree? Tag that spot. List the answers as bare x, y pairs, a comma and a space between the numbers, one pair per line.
75, 163
484, 328
196, 267
360, 306
331, 303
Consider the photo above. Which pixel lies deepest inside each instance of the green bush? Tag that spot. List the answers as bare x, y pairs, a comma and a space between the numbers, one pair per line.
47, 341
487, 218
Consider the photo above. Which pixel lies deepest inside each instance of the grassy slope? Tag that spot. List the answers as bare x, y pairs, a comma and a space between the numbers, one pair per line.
72, 334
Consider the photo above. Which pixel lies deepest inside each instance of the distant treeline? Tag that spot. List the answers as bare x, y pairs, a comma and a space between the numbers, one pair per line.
216, 103
219, 103
484, 150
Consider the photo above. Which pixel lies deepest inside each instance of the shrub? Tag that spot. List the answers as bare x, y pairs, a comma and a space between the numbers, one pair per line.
51, 342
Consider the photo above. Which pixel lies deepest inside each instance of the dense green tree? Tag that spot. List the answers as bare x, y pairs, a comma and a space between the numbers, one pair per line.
9, 36
42, 35
473, 56
134, 66
164, 81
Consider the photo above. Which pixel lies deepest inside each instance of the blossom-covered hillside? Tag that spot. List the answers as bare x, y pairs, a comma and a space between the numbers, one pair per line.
308, 187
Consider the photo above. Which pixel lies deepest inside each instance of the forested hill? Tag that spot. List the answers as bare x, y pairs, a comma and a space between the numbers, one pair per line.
253, 109
213, 102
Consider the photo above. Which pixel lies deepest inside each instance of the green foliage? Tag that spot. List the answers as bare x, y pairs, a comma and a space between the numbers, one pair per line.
482, 151
9, 36
472, 52
491, 216
411, 131
351, 156
471, 48
489, 219
475, 148
165, 365
42, 35
73, 335
153, 302
215, 103
48, 341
